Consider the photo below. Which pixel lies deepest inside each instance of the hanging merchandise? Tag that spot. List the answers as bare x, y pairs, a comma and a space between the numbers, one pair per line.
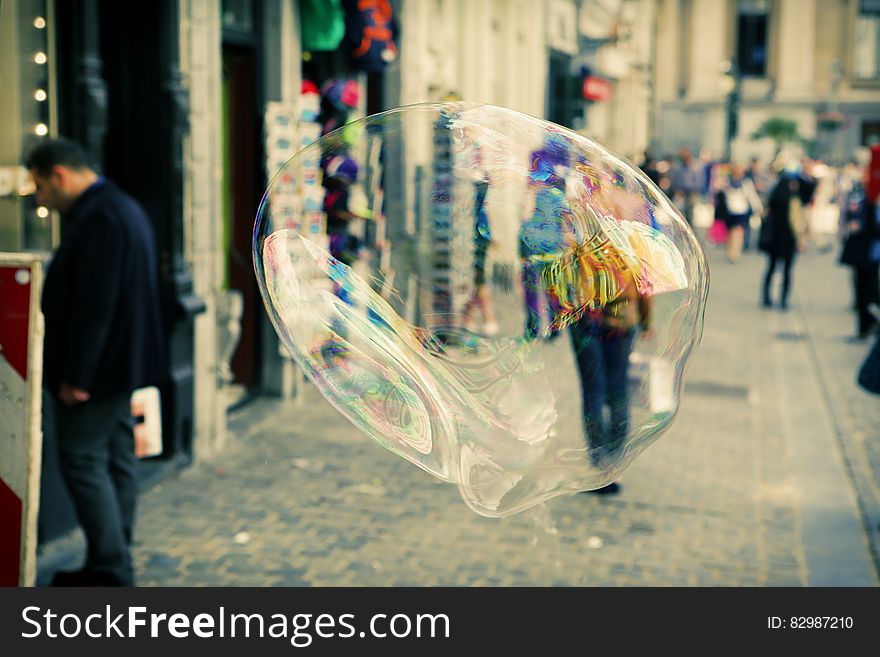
338, 99
310, 102
280, 145
310, 188
371, 31
341, 94
322, 23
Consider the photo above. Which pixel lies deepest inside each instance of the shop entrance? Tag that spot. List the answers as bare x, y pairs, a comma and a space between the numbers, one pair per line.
241, 197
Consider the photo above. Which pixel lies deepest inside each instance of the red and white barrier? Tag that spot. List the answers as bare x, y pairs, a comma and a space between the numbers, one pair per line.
21, 360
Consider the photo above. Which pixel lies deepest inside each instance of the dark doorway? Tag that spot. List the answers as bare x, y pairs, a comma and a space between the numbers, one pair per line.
564, 100
130, 56
241, 196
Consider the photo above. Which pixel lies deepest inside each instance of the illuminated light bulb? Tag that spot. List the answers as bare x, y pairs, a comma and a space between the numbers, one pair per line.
40, 95
39, 22
40, 58
42, 212
41, 129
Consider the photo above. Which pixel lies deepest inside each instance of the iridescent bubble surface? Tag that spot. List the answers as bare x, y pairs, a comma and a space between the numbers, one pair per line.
498, 300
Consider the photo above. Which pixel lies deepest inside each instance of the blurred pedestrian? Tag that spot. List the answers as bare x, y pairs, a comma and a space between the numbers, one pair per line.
850, 190
763, 181
823, 212
664, 170
602, 341
649, 166
709, 167
542, 234
869, 371
480, 297
687, 181
103, 340
737, 201
861, 249
785, 228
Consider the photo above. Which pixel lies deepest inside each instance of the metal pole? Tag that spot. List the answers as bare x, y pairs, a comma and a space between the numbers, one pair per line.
732, 107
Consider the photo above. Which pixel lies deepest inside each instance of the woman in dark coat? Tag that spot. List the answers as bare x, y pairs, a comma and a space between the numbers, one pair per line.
784, 227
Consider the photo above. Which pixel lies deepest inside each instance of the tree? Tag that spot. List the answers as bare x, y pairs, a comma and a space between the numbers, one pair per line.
781, 131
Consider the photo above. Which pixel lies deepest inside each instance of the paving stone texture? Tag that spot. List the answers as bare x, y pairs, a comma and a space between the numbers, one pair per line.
769, 476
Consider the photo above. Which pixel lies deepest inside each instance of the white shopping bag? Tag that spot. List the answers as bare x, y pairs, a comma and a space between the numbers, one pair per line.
704, 215
660, 375
824, 219
147, 412
661, 386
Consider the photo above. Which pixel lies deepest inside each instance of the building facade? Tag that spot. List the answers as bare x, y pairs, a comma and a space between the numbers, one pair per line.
168, 100
171, 98
724, 67
171, 101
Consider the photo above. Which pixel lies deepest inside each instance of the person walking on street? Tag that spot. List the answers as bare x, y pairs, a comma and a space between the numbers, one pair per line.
784, 228
481, 298
737, 201
862, 244
602, 341
762, 180
542, 233
103, 340
649, 166
687, 181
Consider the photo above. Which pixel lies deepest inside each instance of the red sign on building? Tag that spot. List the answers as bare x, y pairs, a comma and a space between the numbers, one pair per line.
596, 88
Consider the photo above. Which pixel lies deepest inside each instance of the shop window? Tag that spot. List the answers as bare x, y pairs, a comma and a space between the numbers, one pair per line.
751, 37
870, 133
238, 15
866, 44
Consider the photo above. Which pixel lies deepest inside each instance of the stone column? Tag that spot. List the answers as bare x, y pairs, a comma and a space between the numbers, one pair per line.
796, 47
200, 64
707, 49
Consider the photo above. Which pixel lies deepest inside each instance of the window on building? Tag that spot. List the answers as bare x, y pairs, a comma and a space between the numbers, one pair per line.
751, 37
238, 18
870, 133
866, 45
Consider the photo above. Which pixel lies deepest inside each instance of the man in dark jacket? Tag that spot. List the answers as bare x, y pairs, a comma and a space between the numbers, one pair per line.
862, 245
103, 340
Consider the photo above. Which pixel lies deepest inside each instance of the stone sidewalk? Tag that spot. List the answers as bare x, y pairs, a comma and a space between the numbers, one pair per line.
770, 476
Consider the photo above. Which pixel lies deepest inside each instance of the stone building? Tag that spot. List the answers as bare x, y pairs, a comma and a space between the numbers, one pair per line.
723, 67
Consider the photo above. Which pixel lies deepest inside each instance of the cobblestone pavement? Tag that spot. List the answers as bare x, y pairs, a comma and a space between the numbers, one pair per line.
770, 476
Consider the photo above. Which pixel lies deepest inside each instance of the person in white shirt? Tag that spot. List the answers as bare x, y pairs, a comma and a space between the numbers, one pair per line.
736, 202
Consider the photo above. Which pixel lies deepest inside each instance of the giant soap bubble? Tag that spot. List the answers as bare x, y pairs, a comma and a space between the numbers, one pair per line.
497, 299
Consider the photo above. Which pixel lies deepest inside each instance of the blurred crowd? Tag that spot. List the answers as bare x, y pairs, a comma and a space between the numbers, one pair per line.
782, 208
